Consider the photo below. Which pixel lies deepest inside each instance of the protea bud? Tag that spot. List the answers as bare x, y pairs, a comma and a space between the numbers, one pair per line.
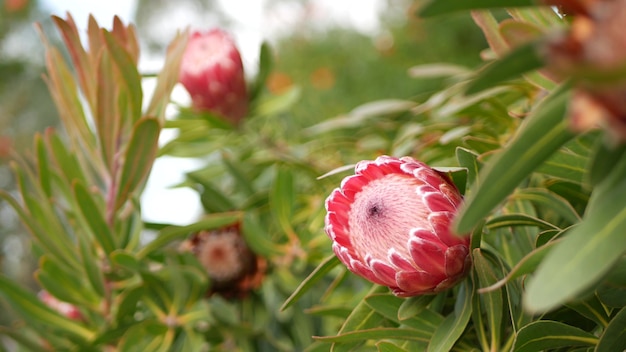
390, 223
212, 72
234, 270
64, 308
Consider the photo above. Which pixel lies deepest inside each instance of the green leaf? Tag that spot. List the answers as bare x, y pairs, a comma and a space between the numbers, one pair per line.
565, 165
441, 7
454, 324
148, 335
92, 265
603, 160
544, 335
491, 301
375, 334
282, 199
43, 165
525, 266
385, 346
36, 312
172, 233
67, 287
512, 220
614, 336
128, 73
468, 160
94, 217
138, 158
385, 304
542, 134
588, 251
324, 268
545, 199
265, 67
280, 103
168, 77
520, 60
257, 237
413, 306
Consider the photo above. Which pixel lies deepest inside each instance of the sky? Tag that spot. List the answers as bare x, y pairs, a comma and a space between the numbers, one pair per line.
160, 202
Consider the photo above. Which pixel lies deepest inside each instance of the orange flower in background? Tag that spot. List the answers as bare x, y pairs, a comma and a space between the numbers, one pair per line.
278, 82
323, 78
15, 5
390, 224
212, 72
233, 269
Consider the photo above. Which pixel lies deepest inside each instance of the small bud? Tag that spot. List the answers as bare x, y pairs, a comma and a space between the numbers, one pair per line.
212, 72
390, 223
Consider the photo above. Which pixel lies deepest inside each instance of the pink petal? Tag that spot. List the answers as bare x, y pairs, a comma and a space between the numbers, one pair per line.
400, 262
416, 282
455, 259
428, 256
438, 202
384, 272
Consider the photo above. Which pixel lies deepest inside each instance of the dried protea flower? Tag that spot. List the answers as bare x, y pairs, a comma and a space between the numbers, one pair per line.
390, 223
212, 72
64, 308
233, 269
592, 53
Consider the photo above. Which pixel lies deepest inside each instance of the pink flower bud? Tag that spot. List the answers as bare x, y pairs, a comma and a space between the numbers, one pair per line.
212, 72
64, 308
390, 223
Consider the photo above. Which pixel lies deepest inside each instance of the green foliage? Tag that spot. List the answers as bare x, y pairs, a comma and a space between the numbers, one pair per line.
544, 203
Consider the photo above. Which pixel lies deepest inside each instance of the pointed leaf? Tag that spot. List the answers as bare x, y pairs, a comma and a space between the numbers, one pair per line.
520, 60
139, 157
454, 324
322, 269
94, 217
441, 7
544, 335
491, 301
614, 336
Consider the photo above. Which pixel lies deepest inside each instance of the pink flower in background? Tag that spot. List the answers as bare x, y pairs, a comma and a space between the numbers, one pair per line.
212, 72
390, 223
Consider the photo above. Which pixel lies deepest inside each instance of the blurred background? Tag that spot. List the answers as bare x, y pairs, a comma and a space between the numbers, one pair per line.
338, 54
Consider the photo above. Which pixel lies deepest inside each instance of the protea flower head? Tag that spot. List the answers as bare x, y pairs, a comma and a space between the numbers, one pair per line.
390, 223
234, 270
212, 72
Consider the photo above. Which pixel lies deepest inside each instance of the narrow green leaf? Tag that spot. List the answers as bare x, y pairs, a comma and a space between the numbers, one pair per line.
468, 160
276, 104
43, 165
543, 133
491, 301
588, 251
257, 237
37, 312
243, 183
525, 266
265, 67
385, 304
454, 324
543, 198
67, 161
603, 160
324, 268
413, 306
128, 72
92, 265
107, 115
94, 217
375, 334
512, 220
614, 336
544, 335
592, 309
172, 233
168, 77
441, 7
282, 199
565, 165
138, 158
520, 60
66, 286
385, 346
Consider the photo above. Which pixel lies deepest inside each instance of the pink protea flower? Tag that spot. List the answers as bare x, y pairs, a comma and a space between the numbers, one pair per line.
212, 72
390, 223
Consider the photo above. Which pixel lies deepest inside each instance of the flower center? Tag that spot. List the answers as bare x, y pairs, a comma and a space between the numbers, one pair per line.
382, 215
220, 255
